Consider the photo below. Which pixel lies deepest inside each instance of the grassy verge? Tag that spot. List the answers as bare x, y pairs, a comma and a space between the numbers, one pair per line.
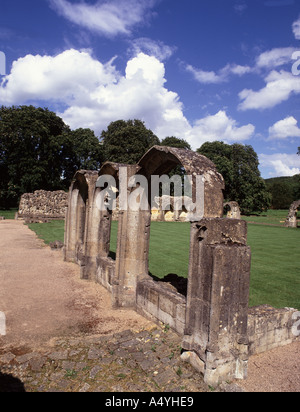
275, 273
49, 232
8, 214
272, 217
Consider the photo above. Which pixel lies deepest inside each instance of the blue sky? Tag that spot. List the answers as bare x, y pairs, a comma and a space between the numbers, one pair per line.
202, 70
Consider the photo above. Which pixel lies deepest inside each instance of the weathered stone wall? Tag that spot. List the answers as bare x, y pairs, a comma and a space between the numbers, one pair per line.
42, 205
270, 328
155, 300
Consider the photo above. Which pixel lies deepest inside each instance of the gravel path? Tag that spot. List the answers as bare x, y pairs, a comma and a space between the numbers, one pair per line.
63, 335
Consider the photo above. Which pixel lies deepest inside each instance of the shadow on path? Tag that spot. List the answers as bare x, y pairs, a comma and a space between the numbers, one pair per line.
10, 384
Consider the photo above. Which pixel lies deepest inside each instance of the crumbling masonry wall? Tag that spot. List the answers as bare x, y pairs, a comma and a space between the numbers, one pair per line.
43, 205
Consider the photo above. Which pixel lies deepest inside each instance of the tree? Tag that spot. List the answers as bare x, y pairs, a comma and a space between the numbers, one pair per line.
238, 164
82, 151
176, 142
221, 154
39, 151
282, 195
127, 141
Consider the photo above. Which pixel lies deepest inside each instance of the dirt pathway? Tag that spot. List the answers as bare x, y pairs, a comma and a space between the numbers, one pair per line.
43, 297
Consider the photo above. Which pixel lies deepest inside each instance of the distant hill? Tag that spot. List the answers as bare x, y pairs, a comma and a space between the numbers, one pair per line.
284, 190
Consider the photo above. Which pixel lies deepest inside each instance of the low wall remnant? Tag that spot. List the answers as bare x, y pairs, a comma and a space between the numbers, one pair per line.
42, 206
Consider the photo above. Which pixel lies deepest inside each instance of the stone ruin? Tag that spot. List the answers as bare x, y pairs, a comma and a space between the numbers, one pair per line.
42, 206
213, 318
233, 210
291, 220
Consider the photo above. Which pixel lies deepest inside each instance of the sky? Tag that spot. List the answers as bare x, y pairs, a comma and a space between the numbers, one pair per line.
201, 70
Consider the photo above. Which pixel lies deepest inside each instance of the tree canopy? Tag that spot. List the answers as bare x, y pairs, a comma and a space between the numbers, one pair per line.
175, 142
127, 141
39, 151
238, 165
284, 190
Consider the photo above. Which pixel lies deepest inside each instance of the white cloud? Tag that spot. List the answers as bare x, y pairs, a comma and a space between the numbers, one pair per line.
275, 57
68, 77
221, 76
285, 128
218, 127
296, 29
154, 48
108, 18
96, 94
279, 87
280, 164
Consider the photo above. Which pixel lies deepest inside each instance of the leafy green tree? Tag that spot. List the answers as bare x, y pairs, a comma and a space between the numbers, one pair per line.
39, 151
82, 151
127, 141
239, 166
296, 187
221, 154
176, 142
282, 195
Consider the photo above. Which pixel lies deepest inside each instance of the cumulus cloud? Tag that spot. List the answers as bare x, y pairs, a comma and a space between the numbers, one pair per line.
68, 77
219, 127
93, 94
107, 18
279, 87
280, 164
285, 128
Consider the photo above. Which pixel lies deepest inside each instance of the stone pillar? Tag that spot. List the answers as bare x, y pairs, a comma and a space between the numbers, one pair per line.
70, 225
132, 257
90, 244
77, 219
215, 335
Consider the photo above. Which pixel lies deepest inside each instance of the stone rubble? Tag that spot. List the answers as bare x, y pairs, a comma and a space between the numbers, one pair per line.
129, 361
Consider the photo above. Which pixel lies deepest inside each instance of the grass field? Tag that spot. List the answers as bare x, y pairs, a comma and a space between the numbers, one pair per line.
272, 217
275, 273
49, 232
8, 214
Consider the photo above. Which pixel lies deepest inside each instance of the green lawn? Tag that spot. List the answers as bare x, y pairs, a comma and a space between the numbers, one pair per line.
49, 232
8, 214
273, 217
275, 273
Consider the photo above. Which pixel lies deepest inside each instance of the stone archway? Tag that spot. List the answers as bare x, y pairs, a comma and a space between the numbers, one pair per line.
291, 220
76, 225
134, 225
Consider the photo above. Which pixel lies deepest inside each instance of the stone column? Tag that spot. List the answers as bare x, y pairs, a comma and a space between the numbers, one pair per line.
215, 335
90, 243
132, 255
70, 225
